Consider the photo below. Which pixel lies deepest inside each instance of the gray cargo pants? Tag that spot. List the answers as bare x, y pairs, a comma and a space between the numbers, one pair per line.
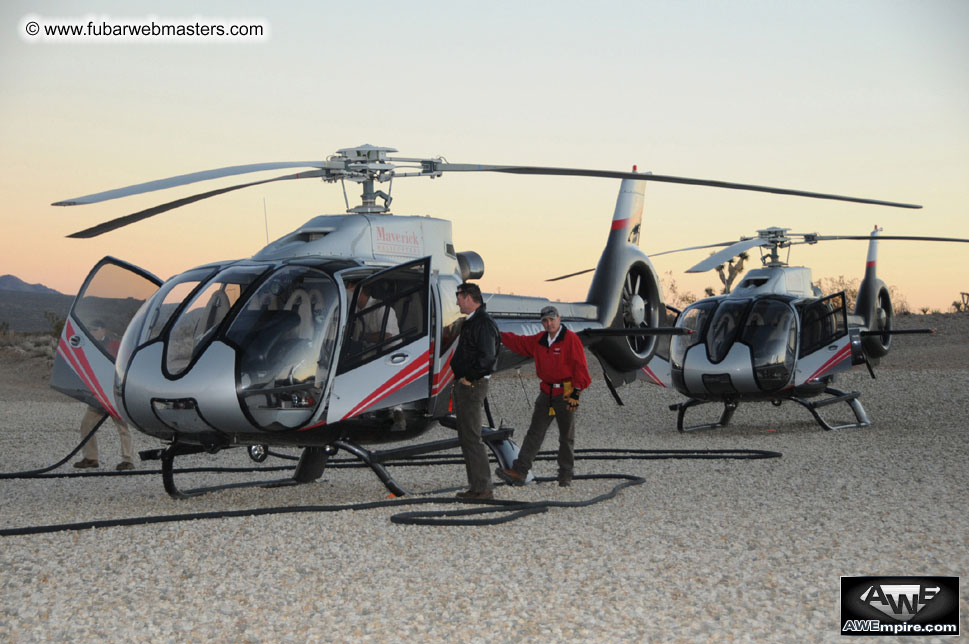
468, 405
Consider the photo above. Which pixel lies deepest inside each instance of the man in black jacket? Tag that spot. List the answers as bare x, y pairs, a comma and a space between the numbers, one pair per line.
472, 363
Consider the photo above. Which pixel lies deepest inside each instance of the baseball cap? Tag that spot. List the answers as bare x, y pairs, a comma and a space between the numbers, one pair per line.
550, 312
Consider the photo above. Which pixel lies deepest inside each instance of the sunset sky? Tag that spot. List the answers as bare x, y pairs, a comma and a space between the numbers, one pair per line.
860, 98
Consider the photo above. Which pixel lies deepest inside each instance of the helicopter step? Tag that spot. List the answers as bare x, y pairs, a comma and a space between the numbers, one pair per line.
861, 418
314, 459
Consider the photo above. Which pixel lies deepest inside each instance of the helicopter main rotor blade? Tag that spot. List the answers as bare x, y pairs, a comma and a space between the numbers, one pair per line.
727, 253
184, 179
562, 277
609, 174
680, 250
121, 222
889, 237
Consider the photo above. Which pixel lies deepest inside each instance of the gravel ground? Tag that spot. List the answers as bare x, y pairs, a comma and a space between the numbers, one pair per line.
706, 550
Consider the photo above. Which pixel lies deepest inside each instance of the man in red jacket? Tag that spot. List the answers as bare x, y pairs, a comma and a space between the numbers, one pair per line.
561, 367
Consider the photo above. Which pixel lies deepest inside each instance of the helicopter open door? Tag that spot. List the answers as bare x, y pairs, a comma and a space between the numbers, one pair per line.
110, 297
385, 358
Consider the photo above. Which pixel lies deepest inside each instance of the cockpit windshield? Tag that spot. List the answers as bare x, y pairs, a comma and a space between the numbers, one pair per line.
771, 334
285, 336
767, 326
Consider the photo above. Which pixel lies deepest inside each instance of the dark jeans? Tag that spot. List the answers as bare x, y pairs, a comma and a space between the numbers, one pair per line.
468, 402
536, 435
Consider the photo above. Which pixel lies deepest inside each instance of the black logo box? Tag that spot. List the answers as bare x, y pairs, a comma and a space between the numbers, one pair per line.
941, 609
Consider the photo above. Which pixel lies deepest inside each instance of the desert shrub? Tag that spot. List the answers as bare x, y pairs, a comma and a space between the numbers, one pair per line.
672, 294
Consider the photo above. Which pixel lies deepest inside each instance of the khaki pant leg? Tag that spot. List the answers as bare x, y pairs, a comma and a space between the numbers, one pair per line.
127, 453
91, 418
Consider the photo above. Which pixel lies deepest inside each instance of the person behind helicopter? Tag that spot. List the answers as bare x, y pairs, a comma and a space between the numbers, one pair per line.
89, 453
369, 327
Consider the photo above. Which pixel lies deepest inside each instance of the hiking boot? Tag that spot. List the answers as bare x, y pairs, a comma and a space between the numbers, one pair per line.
124, 465
471, 494
86, 462
510, 476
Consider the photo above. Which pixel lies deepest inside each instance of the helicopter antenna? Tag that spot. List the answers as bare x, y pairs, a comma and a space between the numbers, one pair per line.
265, 218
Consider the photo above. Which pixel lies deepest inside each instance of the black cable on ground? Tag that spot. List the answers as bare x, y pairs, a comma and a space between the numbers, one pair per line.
515, 509
507, 510
36, 473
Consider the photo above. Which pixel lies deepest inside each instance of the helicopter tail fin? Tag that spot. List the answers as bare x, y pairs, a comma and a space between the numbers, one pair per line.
625, 288
874, 304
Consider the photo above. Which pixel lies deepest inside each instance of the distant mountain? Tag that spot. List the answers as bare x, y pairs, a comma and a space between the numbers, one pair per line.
14, 283
23, 306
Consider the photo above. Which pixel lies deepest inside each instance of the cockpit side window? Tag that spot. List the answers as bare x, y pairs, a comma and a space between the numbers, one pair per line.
169, 298
693, 318
198, 321
387, 311
823, 322
109, 302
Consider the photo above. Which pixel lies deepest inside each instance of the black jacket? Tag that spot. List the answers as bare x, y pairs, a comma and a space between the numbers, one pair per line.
478, 346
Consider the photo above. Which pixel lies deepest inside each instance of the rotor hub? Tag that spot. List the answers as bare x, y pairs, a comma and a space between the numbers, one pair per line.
636, 310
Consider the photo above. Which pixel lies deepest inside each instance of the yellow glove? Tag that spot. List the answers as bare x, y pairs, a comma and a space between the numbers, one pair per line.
570, 396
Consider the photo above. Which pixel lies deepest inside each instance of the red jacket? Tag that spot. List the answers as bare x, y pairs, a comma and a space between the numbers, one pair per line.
564, 360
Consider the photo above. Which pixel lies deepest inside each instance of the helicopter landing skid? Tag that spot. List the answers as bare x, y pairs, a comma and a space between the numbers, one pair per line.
861, 418
313, 461
498, 440
680, 408
167, 458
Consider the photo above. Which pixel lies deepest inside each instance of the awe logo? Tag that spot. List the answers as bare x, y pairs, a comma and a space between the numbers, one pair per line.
900, 605
901, 601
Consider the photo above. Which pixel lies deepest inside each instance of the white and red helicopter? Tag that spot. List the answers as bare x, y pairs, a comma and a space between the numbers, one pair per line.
264, 351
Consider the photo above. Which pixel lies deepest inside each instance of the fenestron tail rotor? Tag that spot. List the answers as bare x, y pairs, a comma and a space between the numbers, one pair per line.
368, 164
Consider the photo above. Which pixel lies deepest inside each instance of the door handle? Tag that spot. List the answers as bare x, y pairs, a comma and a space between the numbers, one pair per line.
398, 358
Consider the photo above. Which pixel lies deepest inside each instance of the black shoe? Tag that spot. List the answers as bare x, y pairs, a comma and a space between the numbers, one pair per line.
124, 465
510, 476
565, 482
471, 494
87, 462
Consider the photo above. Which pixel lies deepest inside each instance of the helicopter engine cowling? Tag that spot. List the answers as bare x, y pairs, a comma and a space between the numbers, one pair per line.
629, 296
879, 316
471, 265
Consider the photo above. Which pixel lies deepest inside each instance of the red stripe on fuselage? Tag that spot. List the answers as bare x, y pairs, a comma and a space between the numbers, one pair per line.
653, 377
417, 368
842, 353
619, 224
80, 363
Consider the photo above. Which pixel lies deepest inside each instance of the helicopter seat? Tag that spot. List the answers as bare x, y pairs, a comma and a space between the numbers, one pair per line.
409, 314
264, 333
300, 302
